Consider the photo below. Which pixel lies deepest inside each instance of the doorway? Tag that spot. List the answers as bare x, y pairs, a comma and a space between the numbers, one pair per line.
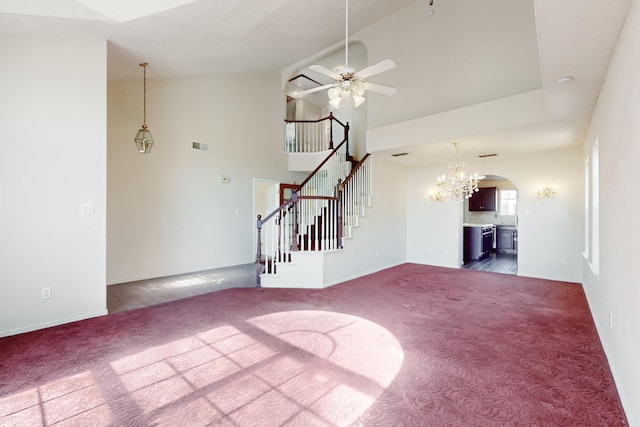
502, 218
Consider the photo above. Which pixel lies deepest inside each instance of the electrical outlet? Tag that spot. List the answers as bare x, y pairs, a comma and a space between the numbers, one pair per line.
46, 293
563, 260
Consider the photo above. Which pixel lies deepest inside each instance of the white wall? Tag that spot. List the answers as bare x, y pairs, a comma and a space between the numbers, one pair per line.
548, 229
52, 160
168, 211
380, 240
615, 124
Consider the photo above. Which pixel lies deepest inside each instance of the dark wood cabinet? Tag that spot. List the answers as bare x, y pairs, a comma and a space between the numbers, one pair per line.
478, 242
507, 240
484, 199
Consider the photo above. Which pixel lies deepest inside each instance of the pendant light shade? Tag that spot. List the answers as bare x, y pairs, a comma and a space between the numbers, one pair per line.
143, 139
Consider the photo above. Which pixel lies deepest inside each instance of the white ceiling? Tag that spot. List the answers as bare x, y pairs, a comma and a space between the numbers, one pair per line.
466, 53
573, 37
196, 37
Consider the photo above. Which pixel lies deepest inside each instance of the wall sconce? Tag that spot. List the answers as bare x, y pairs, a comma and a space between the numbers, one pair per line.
547, 192
437, 196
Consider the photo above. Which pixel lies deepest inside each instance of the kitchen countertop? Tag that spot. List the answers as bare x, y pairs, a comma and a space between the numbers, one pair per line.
472, 224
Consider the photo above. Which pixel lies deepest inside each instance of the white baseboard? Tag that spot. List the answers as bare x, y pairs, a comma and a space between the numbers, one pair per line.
50, 324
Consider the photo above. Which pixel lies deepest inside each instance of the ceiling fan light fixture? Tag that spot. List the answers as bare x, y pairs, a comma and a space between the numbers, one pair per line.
349, 83
335, 96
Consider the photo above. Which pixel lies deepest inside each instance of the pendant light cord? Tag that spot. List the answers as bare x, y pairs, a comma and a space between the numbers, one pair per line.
144, 99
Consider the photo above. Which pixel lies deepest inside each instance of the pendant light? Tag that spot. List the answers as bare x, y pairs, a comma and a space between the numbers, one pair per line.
143, 139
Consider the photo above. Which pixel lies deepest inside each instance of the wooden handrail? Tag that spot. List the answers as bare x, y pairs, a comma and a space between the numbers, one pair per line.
329, 117
294, 198
326, 159
353, 172
317, 198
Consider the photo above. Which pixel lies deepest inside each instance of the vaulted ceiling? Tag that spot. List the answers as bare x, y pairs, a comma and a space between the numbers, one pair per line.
467, 52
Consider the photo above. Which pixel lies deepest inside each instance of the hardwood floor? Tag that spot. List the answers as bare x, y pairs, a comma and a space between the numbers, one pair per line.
142, 293
496, 263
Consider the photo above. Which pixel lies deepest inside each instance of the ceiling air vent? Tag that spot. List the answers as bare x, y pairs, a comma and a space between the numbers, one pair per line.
399, 154
488, 155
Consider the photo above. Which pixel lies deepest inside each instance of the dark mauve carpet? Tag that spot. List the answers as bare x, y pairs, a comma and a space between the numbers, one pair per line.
412, 345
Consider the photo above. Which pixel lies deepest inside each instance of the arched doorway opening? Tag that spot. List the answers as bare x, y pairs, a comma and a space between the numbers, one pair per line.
490, 227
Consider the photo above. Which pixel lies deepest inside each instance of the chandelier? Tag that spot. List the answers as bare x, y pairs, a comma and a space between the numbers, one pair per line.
456, 184
143, 139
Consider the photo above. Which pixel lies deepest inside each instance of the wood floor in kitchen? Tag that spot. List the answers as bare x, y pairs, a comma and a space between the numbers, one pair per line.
496, 263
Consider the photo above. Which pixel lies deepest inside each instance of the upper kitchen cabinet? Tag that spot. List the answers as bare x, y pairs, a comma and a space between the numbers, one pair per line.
484, 199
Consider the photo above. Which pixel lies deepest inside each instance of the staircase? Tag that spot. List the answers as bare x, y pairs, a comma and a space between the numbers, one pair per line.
295, 239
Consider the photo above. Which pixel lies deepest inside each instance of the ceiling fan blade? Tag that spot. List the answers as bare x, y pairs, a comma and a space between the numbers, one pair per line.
377, 68
327, 72
385, 90
309, 91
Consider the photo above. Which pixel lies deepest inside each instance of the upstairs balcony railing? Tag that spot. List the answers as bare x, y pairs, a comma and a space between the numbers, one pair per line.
312, 136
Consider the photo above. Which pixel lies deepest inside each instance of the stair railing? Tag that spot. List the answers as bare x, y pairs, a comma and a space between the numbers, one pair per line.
355, 194
326, 205
312, 136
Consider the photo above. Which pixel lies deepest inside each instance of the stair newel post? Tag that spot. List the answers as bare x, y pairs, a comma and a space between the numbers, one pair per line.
330, 130
338, 194
346, 137
259, 251
294, 221
278, 220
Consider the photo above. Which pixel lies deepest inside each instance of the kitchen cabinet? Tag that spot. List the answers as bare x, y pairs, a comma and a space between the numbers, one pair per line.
478, 242
484, 199
507, 239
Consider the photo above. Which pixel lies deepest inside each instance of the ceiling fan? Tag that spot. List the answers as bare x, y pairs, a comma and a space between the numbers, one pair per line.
350, 83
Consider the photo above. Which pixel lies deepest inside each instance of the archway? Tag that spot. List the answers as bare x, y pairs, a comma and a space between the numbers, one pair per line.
498, 219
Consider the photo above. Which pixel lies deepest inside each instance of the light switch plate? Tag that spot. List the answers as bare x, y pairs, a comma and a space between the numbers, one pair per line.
87, 209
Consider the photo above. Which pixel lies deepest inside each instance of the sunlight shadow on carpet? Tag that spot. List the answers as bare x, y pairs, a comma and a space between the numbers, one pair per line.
342, 362
76, 398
